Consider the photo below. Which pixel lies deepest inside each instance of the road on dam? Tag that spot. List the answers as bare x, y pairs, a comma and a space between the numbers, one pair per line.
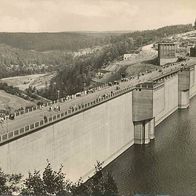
37, 115
165, 166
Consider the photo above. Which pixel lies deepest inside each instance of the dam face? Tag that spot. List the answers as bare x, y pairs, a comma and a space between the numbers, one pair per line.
103, 132
165, 98
98, 134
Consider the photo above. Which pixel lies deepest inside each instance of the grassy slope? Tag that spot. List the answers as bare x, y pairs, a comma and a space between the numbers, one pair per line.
12, 102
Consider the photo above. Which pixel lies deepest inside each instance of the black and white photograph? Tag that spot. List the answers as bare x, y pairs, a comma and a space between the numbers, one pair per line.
97, 97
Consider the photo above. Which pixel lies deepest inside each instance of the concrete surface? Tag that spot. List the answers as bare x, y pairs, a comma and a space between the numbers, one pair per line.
100, 133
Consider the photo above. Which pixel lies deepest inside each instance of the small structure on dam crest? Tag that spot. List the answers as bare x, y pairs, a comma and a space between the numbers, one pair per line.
166, 53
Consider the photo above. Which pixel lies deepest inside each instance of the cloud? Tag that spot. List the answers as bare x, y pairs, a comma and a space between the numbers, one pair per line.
106, 8
12, 24
72, 15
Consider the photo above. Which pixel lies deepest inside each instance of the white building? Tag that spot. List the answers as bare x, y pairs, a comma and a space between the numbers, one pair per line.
127, 56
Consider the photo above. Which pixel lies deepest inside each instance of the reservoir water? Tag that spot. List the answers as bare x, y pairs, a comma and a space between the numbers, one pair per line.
165, 166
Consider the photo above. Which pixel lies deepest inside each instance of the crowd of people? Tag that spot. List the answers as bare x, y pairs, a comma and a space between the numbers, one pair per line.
54, 108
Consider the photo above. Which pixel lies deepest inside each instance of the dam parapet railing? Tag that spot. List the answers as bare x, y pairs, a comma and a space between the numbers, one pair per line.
72, 97
15, 134
52, 103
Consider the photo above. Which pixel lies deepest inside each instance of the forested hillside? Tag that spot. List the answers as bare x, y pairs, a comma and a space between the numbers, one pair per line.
14, 61
73, 41
27, 53
72, 79
54, 41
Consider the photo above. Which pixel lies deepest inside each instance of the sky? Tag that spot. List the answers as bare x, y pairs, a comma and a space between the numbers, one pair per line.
93, 15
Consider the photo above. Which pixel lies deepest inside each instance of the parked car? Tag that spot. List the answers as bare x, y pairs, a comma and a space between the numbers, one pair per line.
78, 94
11, 116
116, 82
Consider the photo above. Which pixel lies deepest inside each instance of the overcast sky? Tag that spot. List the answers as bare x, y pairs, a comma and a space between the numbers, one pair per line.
93, 15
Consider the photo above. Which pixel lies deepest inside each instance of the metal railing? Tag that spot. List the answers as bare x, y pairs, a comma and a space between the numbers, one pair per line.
60, 116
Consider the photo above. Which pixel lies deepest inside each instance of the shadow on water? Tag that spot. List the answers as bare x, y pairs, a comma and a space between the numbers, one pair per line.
165, 166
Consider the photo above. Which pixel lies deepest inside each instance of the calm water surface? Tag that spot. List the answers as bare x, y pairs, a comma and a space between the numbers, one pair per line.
165, 166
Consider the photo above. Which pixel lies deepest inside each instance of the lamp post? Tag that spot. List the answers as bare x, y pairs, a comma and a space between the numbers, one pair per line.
84, 86
58, 94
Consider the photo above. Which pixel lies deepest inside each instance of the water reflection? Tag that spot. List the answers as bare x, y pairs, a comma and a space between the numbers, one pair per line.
165, 166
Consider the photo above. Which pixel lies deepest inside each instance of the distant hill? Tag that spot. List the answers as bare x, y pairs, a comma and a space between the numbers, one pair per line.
15, 61
73, 41
50, 49
25, 53
68, 41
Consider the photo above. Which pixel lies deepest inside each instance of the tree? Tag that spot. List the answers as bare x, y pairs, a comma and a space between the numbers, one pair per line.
100, 184
9, 183
3, 180
53, 183
111, 188
50, 183
34, 185
140, 40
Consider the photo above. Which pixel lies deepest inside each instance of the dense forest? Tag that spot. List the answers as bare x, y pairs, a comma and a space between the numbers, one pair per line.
14, 61
28, 53
73, 78
66, 41
73, 41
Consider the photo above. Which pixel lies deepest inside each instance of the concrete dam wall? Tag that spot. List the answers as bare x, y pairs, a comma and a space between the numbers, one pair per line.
165, 98
98, 134
103, 132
